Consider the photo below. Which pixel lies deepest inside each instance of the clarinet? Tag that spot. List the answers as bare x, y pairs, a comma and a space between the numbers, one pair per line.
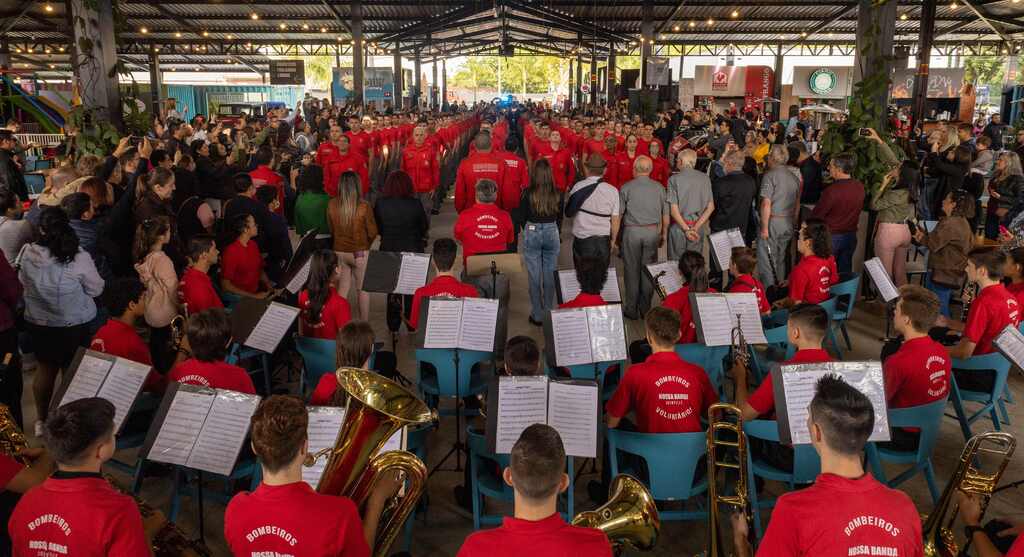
967, 297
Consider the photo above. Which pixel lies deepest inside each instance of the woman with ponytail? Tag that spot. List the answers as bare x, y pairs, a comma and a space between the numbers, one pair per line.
60, 281
323, 310
156, 271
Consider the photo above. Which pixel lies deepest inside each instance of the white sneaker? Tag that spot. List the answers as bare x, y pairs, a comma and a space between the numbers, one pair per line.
39, 428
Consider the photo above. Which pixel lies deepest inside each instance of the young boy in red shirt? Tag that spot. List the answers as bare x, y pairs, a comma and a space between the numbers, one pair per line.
209, 334
195, 289
118, 337
741, 266
242, 267
444, 284
76, 511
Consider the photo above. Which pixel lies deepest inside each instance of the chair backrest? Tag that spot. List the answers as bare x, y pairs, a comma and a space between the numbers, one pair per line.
995, 362
779, 336
845, 292
672, 459
478, 452
319, 357
806, 462
416, 440
709, 358
830, 307
443, 360
927, 418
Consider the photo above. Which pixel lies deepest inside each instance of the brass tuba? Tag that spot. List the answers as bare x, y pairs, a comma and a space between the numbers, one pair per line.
376, 409
630, 516
937, 531
719, 422
12, 440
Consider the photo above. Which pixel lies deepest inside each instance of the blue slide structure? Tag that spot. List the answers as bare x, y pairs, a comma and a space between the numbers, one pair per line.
49, 119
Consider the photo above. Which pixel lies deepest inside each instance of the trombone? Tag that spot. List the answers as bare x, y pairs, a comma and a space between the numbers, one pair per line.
725, 435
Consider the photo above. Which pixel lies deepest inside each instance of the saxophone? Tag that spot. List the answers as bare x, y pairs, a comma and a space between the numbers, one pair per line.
659, 286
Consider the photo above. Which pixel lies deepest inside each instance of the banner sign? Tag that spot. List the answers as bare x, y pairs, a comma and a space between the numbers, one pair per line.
378, 84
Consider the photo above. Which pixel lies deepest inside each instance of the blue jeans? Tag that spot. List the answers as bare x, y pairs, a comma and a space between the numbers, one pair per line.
843, 246
540, 251
943, 292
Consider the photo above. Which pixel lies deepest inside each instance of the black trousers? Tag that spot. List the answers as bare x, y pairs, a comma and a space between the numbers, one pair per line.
11, 382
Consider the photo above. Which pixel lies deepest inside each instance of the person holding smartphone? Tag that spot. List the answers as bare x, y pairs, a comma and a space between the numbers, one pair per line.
895, 209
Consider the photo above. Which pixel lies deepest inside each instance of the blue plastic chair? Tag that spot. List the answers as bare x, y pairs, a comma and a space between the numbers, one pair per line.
927, 418
238, 353
845, 293
598, 372
443, 384
778, 345
707, 357
806, 466
990, 401
485, 483
776, 318
416, 443
672, 460
830, 308
248, 468
318, 359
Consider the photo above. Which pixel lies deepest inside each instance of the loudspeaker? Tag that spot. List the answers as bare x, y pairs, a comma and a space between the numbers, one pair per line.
630, 79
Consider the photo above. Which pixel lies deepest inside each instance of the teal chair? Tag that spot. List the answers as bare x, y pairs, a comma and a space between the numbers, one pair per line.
318, 359
830, 306
185, 477
990, 401
416, 443
237, 353
598, 371
776, 318
806, 466
778, 349
671, 458
485, 482
443, 383
710, 358
845, 292
927, 418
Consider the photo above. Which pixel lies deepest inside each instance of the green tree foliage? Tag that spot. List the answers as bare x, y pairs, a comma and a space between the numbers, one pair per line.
319, 68
985, 70
519, 74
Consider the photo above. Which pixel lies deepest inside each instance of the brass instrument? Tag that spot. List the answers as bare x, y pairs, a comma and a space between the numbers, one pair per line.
967, 297
178, 329
658, 286
12, 440
165, 537
630, 516
738, 350
937, 531
376, 409
728, 419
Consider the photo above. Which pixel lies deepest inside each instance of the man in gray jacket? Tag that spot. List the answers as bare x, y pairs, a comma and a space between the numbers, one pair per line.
780, 194
645, 223
690, 205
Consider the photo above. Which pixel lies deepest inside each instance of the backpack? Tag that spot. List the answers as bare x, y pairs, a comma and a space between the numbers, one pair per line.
575, 202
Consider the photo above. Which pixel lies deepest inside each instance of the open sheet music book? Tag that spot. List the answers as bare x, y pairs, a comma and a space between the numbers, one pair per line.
297, 271
716, 315
794, 388
883, 282
569, 287
573, 407
298, 280
665, 274
465, 323
1011, 343
322, 432
722, 243
95, 374
200, 427
587, 335
261, 324
396, 273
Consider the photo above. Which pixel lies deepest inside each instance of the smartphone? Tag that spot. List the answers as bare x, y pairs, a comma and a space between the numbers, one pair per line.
865, 132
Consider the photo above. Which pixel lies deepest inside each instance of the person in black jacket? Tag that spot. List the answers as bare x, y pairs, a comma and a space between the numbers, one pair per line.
733, 195
950, 168
10, 174
403, 226
213, 177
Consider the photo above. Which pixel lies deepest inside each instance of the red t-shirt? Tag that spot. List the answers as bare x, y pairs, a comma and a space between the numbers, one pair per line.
747, 283
333, 316
549, 537
361, 143
1017, 289
862, 517
293, 519
1017, 549
218, 375
242, 265
584, 300
420, 163
517, 179
680, 301
661, 171
620, 169
562, 166
195, 291
762, 400
8, 469
340, 164
811, 278
991, 312
481, 166
667, 394
119, 339
78, 515
443, 285
918, 373
483, 228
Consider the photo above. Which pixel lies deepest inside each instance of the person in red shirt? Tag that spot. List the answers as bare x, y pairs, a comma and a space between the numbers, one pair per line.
596, 143
662, 170
354, 347
361, 142
195, 289
563, 167
1014, 273
815, 273
263, 175
536, 473
241, 269
344, 160
741, 266
517, 179
483, 227
971, 511
76, 511
126, 304
18, 477
483, 165
621, 167
284, 515
323, 310
993, 307
327, 152
209, 334
860, 511
444, 283
420, 162
695, 279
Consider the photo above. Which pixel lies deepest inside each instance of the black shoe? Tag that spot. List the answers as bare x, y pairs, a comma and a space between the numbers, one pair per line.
535, 322
598, 492
463, 497
435, 211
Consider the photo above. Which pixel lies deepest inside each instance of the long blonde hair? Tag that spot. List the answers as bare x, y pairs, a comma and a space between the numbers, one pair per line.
1013, 166
350, 194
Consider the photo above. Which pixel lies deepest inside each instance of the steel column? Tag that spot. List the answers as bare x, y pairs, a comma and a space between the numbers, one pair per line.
358, 61
927, 34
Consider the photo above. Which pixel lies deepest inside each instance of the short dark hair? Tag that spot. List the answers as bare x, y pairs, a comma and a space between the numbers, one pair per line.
745, 259
522, 356
398, 184
663, 325
278, 430
920, 305
811, 318
120, 292
591, 273
208, 334
845, 415
311, 178
76, 204
158, 156
266, 194
444, 252
198, 245
845, 161
242, 182
76, 426
817, 232
537, 462
264, 155
990, 258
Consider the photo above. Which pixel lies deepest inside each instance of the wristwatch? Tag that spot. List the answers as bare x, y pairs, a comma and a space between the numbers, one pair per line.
970, 530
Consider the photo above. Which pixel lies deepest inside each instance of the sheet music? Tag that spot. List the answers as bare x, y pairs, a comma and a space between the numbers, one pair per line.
799, 383
572, 410
571, 333
671, 280
722, 243
88, 378
479, 321
223, 433
522, 402
322, 432
443, 321
122, 386
413, 273
607, 333
271, 328
181, 426
300, 278
395, 442
571, 287
883, 282
1011, 343
745, 305
712, 308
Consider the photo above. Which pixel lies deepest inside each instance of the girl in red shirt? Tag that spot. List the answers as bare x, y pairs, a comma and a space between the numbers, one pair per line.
354, 348
742, 264
661, 170
1014, 272
241, 270
323, 310
195, 290
623, 162
695, 275
816, 272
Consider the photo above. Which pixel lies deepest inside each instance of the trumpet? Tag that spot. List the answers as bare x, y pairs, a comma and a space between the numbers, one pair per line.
937, 530
738, 351
629, 518
725, 418
659, 286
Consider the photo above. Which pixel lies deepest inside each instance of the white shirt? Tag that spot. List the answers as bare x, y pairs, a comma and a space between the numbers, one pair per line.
604, 201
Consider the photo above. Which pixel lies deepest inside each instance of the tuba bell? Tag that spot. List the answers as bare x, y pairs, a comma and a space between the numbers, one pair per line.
630, 516
377, 408
12, 440
728, 419
937, 530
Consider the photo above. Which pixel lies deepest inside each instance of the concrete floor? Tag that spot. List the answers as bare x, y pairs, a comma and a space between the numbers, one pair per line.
444, 526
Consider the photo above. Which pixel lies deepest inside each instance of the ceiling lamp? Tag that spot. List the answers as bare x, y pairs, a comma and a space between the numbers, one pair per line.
254, 16
693, 24
177, 34
305, 26
48, 7
711, 21
206, 33
283, 26
675, 28
735, 14
143, 30
903, 16
323, 29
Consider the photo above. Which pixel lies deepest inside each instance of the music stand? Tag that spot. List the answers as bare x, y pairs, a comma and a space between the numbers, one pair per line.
493, 263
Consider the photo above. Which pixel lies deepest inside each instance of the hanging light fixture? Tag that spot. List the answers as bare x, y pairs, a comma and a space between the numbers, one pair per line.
48, 7
254, 16
735, 14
